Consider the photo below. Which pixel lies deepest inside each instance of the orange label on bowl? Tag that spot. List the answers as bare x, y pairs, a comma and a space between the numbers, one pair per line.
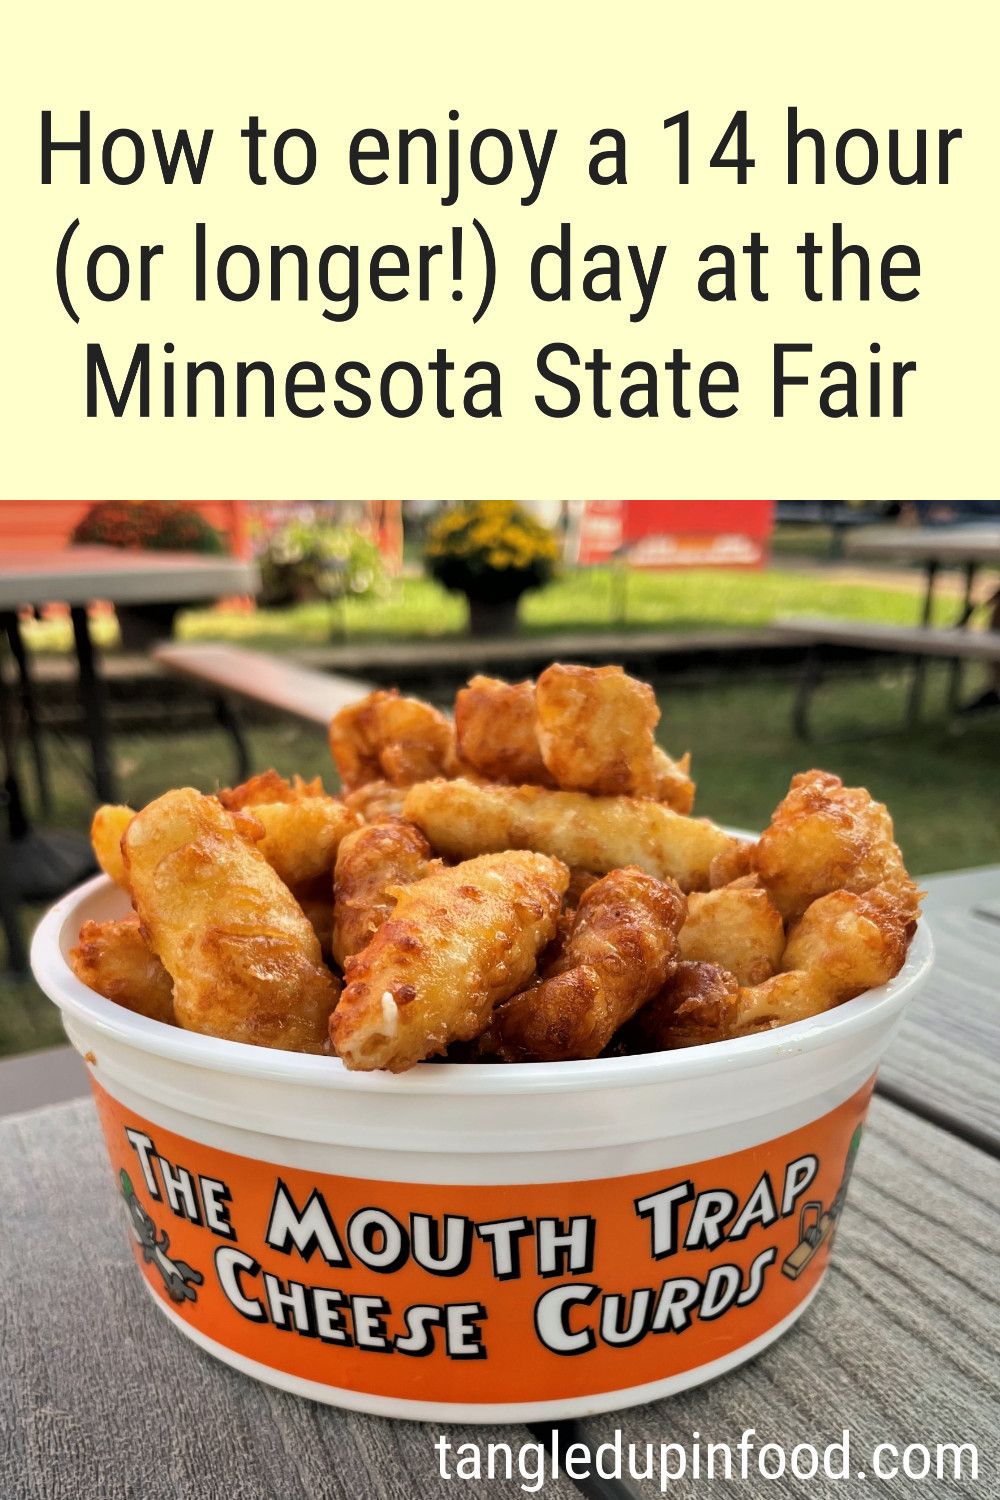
470, 1293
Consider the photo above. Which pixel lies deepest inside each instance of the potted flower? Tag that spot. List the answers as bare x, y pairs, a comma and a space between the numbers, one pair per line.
147, 525
492, 551
307, 560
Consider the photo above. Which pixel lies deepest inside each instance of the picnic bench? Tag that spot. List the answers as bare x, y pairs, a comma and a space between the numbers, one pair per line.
456, 657
42, 863
76, 576
99, 1397
842, 518
235, 672
953, 643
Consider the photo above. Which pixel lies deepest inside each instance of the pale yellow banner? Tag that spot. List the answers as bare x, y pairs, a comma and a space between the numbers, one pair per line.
486, 86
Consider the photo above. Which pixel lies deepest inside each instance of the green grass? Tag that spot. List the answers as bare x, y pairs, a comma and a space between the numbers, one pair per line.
941, 789
702, 599
588, 599
585, 599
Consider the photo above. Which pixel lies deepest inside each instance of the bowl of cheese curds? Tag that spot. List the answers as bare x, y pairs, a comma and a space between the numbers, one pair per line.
498, 1057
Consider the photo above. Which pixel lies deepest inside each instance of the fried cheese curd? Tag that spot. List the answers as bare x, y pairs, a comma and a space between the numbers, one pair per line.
830, 864
375, 800
586, 729
462, 819
106, 829
373, 864
826, 837
302, 826
619, 951
496, 727
268, 787
596, 729
526, 884
458, 942
696, 1005
243, 958
842, 945
386, 737
298, 831
576, 729
738, 927
114, 959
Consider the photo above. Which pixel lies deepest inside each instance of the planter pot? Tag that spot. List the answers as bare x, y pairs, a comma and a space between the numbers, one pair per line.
142, 625
487, 617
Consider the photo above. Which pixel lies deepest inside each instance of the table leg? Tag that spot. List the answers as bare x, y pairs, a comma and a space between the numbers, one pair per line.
12, 629
229, 720
920, 662
968, 607
34, 866
812, 672
16, 817
16, 961
92, 700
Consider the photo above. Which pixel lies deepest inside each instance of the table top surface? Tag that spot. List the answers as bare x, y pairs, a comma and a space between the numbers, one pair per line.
945, 1060
975, 543
98, 1397
79, 575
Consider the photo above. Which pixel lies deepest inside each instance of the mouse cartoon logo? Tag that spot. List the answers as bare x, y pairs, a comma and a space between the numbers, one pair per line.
816, 1224
180, 1279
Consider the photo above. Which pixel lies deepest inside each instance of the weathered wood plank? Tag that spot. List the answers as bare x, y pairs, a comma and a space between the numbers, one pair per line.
947, 1053
38, 1078
532, 652
236, 668
79, 575
945, 545
899, 1346
920, 640
100, 1397
298, 691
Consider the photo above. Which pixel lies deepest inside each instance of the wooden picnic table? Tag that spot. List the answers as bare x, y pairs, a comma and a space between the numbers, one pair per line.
954, 1025
78, 576
99, 1398
955, 546
49, 862
970, 547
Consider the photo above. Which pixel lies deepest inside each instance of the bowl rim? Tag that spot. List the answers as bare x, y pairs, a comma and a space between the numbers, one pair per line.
57, 980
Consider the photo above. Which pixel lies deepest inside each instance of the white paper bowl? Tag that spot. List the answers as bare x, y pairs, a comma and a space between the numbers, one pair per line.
400, 1181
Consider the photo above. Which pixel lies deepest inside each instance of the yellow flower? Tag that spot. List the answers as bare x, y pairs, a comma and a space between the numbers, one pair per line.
493, 535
